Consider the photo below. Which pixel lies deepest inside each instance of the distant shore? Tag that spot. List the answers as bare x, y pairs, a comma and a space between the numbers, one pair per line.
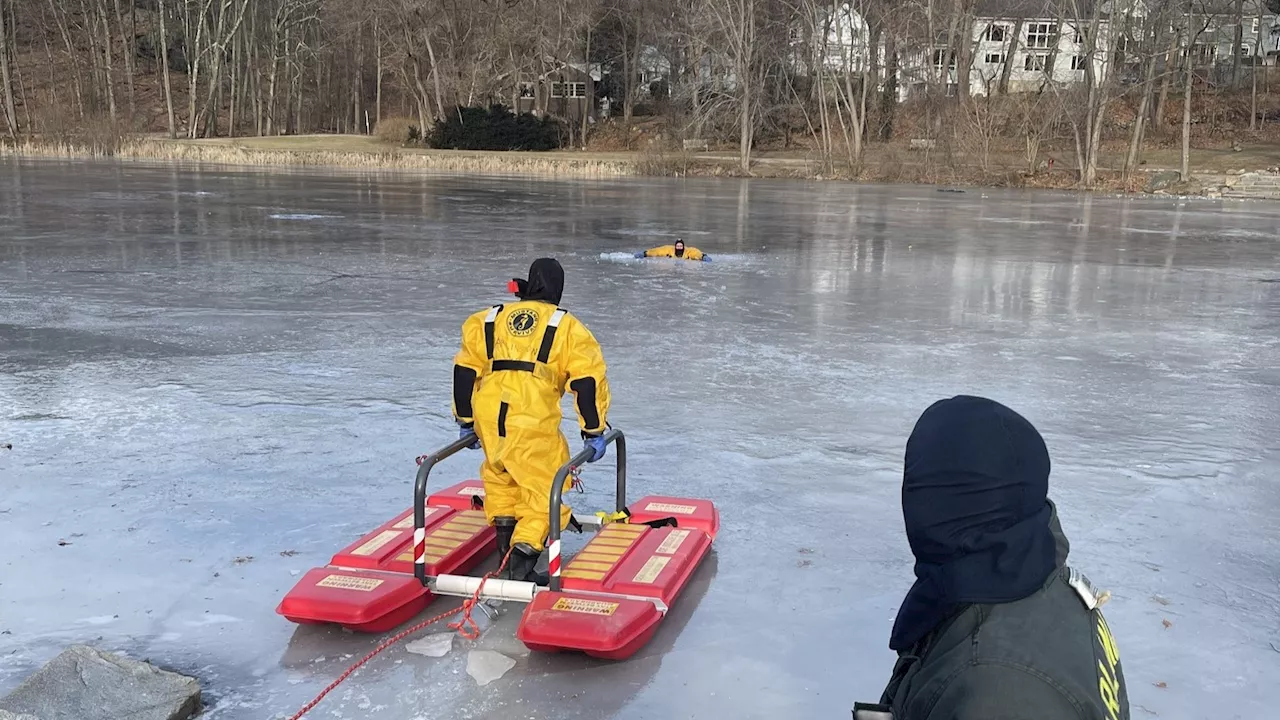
360, 152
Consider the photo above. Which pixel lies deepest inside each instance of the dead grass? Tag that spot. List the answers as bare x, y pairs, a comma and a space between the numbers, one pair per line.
883, 163
321, 152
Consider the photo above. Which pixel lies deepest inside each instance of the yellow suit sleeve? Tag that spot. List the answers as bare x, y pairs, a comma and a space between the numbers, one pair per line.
693, 253
584, 364
469, 365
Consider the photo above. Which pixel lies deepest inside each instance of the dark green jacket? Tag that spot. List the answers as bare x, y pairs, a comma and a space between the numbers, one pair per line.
1045, 657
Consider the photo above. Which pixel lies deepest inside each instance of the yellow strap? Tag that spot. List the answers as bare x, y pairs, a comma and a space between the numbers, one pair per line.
618, 517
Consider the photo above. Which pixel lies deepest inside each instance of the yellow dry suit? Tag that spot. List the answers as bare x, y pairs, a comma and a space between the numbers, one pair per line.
509, 377
669, 251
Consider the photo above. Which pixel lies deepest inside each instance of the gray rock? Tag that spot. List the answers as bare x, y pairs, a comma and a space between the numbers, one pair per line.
1163, 180
88, 684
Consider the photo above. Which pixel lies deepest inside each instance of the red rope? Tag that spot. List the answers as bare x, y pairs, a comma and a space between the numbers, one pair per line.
471, 633
467, 627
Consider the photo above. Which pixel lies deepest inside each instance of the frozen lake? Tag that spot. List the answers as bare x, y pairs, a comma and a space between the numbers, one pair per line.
214, 380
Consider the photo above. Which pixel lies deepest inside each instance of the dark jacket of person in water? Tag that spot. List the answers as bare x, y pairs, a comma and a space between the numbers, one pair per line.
996, 627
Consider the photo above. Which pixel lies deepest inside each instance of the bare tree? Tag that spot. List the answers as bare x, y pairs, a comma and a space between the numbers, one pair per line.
1196, 25
10, 110
163, 11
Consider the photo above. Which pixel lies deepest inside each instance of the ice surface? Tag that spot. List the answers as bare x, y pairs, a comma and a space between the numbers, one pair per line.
186, 382
485, 666
433, 645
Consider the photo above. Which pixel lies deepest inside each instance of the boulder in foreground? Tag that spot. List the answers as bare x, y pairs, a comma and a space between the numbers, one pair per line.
88, 684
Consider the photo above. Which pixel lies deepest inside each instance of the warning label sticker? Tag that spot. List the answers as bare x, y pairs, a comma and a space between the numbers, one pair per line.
673, 542
377, 542
591, 607
651, 570
472, 490
348, 582
669, 508
407, 523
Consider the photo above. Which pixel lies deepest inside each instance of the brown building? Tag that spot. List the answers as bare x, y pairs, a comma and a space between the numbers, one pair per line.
566, 92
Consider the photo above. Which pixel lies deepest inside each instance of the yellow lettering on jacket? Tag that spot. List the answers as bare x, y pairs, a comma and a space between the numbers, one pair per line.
1108, 678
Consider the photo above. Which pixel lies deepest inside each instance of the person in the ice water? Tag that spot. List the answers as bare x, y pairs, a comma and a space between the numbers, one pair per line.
508, 378
996, 625
676, 250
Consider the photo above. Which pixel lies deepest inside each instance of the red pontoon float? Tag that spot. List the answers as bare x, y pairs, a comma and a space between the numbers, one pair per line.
607, 601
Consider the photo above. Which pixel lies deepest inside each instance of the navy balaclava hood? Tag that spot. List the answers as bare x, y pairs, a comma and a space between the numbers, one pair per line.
679, 247
975, 486
545, 283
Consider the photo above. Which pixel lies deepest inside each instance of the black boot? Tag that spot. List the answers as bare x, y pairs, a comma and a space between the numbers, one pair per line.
523, 559
504, 526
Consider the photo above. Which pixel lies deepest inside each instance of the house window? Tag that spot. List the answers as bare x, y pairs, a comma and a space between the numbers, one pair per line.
1039, 35
995, 33
1078, 62
1077, 37
994, 59
1036, 62
942, 56
557, 90
575, 90
527, 91
1204, 52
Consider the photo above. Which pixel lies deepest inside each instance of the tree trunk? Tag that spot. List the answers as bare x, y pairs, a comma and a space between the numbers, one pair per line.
588, 101
1171, 58
377, 44
10, 110
435, 77
1140, 121
628, 82
1189, 68
106, 56
1258, 63
1238, 45
1007, 67
126, 44
964, 67
164, 65
194, 62
357, 80
889, 98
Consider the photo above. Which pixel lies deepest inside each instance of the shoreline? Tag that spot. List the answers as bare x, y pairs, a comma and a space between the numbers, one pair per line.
364, 153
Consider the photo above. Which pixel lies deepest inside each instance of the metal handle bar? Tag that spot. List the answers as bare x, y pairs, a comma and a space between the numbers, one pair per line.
612, 436
420, 501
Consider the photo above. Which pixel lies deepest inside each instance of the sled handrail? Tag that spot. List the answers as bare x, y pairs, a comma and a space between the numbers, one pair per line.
420, 499
612, 436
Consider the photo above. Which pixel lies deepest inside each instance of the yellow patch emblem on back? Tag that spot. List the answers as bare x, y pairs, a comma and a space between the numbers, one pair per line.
522, 322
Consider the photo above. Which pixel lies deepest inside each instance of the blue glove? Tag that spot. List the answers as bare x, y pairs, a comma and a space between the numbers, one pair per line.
638, 255
595, 444
706, 258
466, 430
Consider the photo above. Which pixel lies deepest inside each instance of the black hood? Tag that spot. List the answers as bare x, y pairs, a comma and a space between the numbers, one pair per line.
545, 283
975, 501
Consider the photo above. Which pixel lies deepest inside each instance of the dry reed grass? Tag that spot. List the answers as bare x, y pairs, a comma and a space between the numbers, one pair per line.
390, 159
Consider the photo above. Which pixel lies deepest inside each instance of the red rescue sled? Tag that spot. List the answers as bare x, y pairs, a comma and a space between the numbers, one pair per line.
607, 601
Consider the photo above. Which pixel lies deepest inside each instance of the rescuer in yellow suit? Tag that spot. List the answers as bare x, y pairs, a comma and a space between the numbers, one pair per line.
677, 250
508, 378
